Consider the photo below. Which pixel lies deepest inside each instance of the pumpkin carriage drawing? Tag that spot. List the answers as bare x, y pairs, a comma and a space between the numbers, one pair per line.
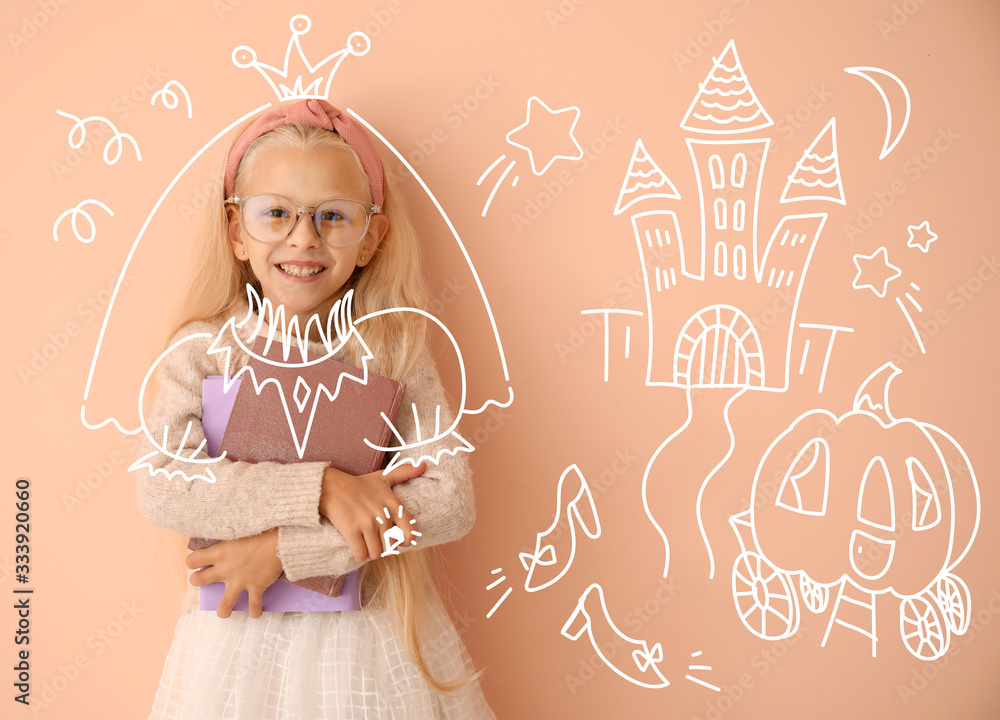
848, 508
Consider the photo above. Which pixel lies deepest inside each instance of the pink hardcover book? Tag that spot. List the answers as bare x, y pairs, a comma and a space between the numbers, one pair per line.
293, 420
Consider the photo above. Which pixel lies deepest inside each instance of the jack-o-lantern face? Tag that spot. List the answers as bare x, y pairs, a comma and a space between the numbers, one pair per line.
865, 496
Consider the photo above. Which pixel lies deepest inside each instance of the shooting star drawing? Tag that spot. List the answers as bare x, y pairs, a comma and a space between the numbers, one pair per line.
498, 581
546, 135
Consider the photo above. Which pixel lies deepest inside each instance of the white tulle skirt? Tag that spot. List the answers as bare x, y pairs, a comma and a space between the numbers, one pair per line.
311, 665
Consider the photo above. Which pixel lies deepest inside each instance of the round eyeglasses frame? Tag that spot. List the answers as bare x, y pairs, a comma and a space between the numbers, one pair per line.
310, 210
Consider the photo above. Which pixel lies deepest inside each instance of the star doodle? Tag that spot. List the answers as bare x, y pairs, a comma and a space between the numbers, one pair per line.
877, 272
542, 138
921, 236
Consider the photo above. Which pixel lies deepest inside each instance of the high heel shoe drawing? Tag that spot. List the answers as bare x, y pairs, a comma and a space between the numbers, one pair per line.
640, 667
546, 564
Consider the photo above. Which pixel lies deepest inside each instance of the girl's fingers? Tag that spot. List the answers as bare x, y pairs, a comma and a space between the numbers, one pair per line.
404, 472
373, 541
358, 546
256, 603
197, 559
207, 576
229, 598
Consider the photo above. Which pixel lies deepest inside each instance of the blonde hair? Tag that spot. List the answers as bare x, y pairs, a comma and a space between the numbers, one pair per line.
392, 278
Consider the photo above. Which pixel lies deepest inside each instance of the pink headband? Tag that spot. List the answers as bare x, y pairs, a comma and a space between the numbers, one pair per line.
321, 114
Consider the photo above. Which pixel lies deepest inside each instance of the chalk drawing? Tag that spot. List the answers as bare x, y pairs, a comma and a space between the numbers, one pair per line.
499, 581
78, 135
904, 518
875, 272
168, 96
394, 536
291, 338
314, 82
921, 236
551, 559
725, 102
886, 83
640, 667
546, 135
834, 329
643, 180
76, 212
817, 173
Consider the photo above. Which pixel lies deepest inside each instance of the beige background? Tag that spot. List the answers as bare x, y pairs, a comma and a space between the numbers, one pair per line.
107, 585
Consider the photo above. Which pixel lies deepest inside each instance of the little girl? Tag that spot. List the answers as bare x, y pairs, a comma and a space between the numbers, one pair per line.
302, 257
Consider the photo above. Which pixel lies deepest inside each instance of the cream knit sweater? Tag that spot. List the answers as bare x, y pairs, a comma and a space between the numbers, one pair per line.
249, 498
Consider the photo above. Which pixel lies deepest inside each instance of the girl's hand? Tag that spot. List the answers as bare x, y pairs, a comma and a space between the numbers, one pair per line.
355, 504
249, 563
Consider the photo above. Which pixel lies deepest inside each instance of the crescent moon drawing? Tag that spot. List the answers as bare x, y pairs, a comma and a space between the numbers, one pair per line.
877, 76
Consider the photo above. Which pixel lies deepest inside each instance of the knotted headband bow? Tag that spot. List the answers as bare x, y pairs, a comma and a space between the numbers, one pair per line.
321, 114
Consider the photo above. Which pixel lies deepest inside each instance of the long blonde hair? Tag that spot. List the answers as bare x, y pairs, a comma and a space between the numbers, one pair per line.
392, 278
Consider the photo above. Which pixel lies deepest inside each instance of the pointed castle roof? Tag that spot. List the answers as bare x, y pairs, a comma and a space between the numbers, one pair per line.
817, 174
644, 179
725, 102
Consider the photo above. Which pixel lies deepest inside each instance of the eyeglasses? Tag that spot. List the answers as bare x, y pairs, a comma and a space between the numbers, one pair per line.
339, 222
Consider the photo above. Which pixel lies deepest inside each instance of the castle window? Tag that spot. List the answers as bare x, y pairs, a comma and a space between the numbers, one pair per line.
720, 214
739, 262
721, 257
715, 169
739, 170
739, 211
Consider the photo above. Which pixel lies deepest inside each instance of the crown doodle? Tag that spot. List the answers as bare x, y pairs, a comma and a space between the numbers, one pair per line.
308, 82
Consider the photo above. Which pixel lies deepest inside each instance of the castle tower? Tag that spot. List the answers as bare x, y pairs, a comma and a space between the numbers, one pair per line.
742, 336
728, 170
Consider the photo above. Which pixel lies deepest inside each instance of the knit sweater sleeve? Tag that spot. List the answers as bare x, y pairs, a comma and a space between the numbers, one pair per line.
440, 500
245, 498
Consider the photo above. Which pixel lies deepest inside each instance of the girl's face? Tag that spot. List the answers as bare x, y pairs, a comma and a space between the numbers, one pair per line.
301, 272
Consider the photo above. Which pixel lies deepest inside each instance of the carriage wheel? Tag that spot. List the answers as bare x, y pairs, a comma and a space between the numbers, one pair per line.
814, 596
923, 627
953, 597
764, 598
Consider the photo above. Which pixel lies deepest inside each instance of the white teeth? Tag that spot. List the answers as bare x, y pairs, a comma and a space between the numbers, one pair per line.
301, 271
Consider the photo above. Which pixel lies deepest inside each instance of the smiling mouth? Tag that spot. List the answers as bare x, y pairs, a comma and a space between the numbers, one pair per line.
301, 271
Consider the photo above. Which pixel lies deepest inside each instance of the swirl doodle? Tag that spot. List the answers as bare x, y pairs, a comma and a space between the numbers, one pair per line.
78, 134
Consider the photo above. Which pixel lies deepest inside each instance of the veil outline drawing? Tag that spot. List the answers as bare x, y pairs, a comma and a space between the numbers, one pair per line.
124, 418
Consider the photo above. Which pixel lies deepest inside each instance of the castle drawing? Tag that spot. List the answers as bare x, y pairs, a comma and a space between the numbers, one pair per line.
691, 343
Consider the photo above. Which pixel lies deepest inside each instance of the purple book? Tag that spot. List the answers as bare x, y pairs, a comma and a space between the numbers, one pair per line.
255, 428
